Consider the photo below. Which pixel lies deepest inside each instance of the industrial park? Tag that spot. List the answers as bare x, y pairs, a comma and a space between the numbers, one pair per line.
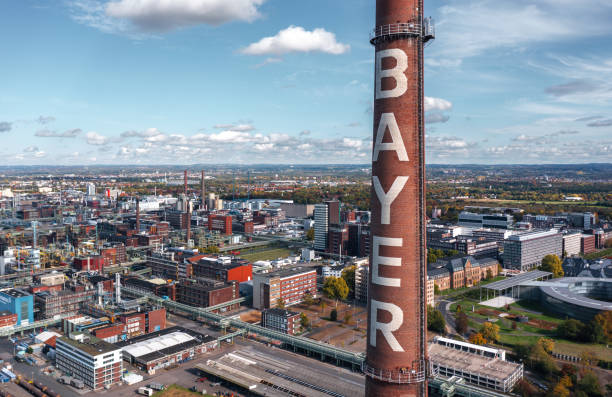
241, 278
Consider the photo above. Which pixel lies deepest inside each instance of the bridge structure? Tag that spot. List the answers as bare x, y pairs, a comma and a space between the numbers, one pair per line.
298, 343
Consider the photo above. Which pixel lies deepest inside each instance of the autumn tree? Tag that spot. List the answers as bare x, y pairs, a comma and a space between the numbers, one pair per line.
335, 288
280, 303
477, 339
304, 321
348, 275
551, 263
490, 332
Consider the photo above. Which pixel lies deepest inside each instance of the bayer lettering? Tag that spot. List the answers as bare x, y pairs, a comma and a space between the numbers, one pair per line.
388, 122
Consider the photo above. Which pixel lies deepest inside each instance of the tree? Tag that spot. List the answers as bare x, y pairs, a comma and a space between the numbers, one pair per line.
522, 351
541, 360
335, 288
525, 389
489, 274
211, 249
333, 315
348, 275
477, 339
571, 329
561, 391
347, 317
280, 303
323, 305
552, 263
436, 289
490, 332
308, 299
547, 344
589, 384
304, 321
310, 234
435, 320
594, 332
29, 350
605, 320
461, 323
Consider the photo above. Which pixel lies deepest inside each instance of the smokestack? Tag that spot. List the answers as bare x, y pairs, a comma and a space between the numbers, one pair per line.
137, 215
396, 356
185, 177
188, 223
203, 191
118, 287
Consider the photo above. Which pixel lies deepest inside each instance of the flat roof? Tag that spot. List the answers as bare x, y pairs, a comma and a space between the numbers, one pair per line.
91, 345
293, 271
491, 368
533, 235
514, 281
562, 289
15, 293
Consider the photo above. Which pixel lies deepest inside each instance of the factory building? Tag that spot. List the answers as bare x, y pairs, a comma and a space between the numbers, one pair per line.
289, 285
18, 302
166, 348
96, 362
220, 223
281, 320
223, 268
205, 292
62, 303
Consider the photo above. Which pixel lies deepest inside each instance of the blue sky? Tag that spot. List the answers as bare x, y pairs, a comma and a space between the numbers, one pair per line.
266, 81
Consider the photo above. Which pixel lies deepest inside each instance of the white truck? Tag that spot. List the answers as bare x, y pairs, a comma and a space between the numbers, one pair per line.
145, 391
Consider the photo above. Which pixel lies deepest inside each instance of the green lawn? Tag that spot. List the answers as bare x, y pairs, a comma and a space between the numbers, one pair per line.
527, 333
599, 254
267, 255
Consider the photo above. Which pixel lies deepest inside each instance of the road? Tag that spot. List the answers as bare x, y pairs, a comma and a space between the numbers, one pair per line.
444, 307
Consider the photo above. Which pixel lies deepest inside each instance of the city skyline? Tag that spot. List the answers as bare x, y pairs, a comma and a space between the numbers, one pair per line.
264, 81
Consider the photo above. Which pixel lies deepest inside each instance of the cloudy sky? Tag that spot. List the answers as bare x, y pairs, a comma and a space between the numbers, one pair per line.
265, 81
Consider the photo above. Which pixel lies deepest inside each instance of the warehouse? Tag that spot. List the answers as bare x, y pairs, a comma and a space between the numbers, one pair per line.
166, 348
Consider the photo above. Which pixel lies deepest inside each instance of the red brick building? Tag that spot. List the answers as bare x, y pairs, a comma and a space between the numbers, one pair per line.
587, 243
220, 223
90, 263
7, 319
205, 292
218, 268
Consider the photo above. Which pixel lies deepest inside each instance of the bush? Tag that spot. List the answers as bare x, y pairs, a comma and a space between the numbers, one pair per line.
435, 320
333, 315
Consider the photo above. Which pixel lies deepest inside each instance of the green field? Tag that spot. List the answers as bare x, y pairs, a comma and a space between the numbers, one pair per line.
529, 333
267, 255
599, 254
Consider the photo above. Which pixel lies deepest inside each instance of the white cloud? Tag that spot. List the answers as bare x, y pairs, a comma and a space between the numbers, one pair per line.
165, 15
73, 133
470, 28
432, 103
230, 136
132, 17
45, 119
235, 127
93, 138
30, 149
297, 39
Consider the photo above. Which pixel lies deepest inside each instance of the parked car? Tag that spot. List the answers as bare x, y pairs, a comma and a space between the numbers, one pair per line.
145, 391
